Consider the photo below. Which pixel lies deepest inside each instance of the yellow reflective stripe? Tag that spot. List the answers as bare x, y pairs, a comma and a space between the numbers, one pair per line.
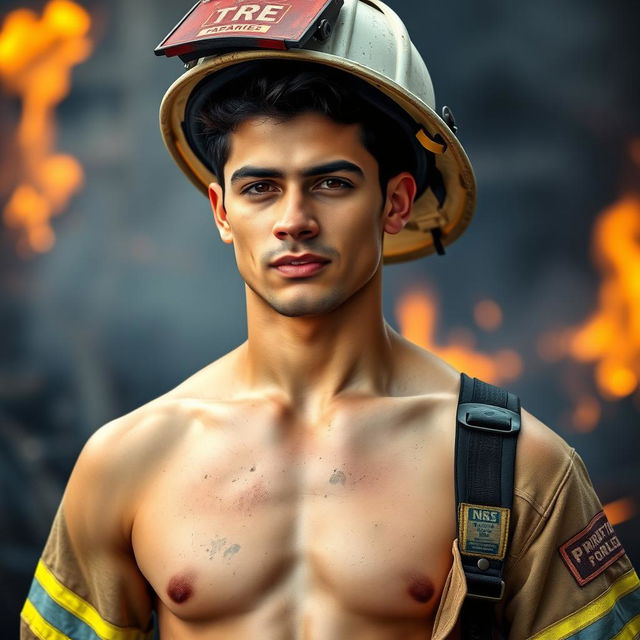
591, 612
429, 144
81, 608
38, 625
630, 630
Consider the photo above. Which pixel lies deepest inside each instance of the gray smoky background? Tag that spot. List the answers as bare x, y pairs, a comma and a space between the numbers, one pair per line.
138, 292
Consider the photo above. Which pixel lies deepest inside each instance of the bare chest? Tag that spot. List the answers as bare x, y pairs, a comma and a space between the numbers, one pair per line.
236, 525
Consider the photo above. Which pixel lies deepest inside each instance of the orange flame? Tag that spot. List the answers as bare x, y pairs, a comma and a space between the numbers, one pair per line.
488, 315
620, 510
36, 58
611, 337
416, 313
586, 414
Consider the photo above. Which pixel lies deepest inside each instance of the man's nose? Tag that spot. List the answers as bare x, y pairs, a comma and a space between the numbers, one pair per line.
296, 219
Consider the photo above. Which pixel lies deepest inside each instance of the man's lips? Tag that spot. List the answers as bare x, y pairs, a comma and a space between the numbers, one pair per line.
302, 266
298, 260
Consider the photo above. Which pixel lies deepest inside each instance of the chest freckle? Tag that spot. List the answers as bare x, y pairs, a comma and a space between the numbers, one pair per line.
421, 589
180, 589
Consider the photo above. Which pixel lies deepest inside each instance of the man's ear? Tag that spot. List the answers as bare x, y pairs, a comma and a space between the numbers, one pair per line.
401, 190
216, 198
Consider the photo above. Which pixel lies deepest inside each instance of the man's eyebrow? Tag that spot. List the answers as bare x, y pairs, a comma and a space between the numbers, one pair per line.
318, 170
255, 172
333, 167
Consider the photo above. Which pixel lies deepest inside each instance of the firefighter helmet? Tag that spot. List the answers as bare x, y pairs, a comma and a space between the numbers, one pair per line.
364, 38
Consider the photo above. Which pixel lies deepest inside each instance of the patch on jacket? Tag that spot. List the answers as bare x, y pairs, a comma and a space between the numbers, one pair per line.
592, 550
483, 530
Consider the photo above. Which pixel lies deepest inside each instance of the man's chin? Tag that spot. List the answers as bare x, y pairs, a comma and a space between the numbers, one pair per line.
306, 307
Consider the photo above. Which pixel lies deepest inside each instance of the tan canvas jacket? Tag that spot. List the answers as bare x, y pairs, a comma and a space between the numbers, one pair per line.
70, 600
566, 574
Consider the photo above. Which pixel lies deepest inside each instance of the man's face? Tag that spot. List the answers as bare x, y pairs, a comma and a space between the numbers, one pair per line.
303, 208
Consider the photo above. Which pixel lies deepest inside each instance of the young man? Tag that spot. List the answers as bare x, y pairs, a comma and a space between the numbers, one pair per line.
302, 486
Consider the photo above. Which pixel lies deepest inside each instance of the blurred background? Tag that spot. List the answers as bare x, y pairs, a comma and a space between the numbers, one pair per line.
114, 286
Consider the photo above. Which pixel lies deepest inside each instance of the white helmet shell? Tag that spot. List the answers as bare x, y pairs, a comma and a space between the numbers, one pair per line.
369, 41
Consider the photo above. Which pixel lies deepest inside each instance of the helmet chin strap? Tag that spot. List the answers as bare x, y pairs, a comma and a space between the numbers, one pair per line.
436, 234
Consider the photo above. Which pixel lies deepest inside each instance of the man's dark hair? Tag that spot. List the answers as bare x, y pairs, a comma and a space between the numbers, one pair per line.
284, 90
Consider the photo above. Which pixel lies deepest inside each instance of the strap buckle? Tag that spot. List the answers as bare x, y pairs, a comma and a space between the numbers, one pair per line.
483, 587
476, 415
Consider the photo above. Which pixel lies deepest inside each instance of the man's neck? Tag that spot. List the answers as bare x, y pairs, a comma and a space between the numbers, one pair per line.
310, 360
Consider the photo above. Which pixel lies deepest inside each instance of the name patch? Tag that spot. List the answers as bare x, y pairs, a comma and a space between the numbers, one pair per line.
483, 530
591, 550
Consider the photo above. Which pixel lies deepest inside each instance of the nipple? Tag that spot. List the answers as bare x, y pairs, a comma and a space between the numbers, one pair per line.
421, 590
180, 589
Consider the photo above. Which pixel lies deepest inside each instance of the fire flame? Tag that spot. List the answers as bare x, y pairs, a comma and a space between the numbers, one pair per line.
586, 414
620, 510
611, 337
416, 312
36, 58
488, 315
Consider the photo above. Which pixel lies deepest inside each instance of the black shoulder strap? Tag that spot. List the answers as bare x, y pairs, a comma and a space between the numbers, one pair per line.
487, 429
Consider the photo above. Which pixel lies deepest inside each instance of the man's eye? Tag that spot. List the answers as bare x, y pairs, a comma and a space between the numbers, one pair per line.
258, 188
334, 183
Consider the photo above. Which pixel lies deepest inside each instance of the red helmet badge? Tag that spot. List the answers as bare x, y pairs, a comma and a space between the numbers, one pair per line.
214, 25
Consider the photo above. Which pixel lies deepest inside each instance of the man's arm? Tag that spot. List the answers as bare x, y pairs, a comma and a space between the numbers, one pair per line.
567, 575
87, 583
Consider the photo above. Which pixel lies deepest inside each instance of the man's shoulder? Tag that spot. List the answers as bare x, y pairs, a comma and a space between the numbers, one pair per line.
541, 448
143, 436
544, 462
543, 458
126, 444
